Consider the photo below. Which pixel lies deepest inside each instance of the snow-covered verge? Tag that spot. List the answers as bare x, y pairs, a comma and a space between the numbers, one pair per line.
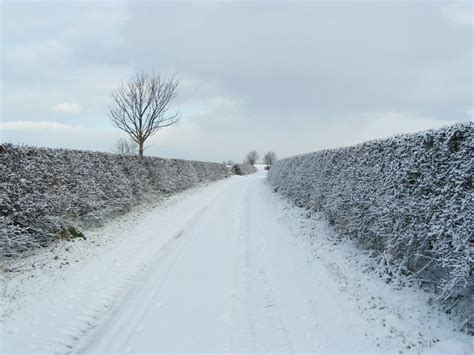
353, 309
51, 194
193, 273
243, 169
407, 199
53, 296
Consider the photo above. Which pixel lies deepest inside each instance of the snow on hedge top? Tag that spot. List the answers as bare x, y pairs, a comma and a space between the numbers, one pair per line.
46, 192
408, 198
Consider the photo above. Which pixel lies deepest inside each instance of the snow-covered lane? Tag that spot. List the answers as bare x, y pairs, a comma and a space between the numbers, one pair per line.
187, 301
230, 267
206, 295
64, 293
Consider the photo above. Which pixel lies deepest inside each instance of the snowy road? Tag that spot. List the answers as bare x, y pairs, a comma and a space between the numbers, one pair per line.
225, 268
208, 290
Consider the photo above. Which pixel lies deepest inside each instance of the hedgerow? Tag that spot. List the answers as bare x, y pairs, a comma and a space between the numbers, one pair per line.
408, 199
243, 169
49, 194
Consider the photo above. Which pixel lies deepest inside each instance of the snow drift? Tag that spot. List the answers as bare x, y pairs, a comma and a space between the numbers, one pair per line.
243, 169
48, 194
408, 199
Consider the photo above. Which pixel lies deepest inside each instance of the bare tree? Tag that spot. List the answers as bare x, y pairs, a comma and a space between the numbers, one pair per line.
269, 158
125, 146
251, 157
140, 107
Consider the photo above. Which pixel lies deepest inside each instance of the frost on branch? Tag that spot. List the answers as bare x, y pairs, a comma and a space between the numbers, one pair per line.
409, 199
46, 193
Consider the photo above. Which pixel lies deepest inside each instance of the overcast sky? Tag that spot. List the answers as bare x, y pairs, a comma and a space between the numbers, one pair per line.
291, 77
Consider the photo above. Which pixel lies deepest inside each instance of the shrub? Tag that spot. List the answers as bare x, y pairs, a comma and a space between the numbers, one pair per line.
243, 169
46, 194
409, 199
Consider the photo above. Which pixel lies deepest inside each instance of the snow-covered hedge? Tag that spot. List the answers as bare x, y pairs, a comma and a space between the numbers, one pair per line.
46, 194
409, 199
243, 169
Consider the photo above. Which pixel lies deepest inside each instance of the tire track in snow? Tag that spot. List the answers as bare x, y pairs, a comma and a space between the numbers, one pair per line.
175, 290
162, 263
274, 312
256, 313
243, 332
271, 304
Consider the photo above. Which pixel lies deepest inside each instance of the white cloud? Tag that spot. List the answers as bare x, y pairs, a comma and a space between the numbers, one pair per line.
355, 72
41, 125
58, 135
36, 54
66, 107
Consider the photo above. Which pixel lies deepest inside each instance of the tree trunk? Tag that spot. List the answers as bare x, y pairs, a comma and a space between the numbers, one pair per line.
140, 149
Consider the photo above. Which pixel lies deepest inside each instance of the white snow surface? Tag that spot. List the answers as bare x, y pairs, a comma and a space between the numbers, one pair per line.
226, 267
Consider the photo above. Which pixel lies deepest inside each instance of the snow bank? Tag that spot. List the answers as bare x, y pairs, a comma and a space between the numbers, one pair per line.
243, 169
47, 194
408, 199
